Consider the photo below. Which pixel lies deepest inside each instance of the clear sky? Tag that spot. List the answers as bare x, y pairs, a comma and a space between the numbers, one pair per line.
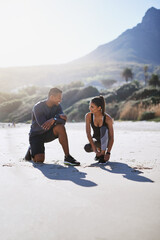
41, 32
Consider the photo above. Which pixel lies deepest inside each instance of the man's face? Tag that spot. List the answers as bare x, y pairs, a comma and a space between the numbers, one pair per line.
56, 99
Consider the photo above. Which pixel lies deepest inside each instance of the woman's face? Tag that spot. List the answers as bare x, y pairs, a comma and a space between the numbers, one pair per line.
93, 108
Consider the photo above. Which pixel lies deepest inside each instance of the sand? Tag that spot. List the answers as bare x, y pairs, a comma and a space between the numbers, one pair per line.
120, 200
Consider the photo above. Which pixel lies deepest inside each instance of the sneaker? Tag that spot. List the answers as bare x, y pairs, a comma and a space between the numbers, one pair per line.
28, 156
69, 160
101, 160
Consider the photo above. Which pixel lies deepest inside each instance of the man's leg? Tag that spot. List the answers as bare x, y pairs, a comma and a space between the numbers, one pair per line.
60, 131
39, 158
28, 156
37, 148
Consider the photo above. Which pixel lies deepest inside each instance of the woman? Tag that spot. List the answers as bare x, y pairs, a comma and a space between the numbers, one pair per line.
102, 125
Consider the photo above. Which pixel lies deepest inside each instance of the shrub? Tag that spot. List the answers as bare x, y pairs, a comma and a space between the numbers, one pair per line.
113, 110
72, 96
111, 97
78, 111
154, 80
147, 115
7, 107
126, 90
129, 112
145, 93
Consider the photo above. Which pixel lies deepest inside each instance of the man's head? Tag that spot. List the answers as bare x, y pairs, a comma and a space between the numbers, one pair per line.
55, 95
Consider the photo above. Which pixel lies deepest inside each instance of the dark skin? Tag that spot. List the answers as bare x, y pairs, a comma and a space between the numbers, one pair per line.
59, 130
98, 121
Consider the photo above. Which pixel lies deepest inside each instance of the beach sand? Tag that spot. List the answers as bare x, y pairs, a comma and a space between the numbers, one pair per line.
119, 200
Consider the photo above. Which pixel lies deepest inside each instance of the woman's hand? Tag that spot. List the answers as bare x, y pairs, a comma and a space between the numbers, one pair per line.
106, 157
98, 154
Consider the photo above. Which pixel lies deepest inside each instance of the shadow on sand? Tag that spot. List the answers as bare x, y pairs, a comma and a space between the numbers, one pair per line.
67, 173
122, 168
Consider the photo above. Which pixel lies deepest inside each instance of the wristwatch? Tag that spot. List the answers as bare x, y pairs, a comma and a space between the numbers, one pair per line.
55, 119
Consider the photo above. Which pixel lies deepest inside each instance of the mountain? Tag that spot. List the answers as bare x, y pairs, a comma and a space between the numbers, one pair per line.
140, 44
134, 48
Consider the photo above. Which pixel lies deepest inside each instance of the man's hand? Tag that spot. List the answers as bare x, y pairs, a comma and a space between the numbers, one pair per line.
48, 124
63, 116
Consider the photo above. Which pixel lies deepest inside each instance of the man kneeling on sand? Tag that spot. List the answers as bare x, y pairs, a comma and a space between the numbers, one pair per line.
48, 122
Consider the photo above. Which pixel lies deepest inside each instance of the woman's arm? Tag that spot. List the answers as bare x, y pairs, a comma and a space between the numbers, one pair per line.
109, 122
88, 131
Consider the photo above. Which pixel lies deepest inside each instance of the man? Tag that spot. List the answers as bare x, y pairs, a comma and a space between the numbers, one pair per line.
48, 122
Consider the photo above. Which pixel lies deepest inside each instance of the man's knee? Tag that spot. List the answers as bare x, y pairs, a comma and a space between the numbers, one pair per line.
38, 158
88, 148
58, 128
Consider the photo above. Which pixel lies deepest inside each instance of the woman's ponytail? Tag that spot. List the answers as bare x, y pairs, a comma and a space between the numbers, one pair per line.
103, 104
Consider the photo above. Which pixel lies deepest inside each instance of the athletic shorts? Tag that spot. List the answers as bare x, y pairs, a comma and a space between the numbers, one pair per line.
37, 142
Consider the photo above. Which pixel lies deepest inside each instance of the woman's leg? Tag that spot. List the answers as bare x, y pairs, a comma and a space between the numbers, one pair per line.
88, 147
104, 138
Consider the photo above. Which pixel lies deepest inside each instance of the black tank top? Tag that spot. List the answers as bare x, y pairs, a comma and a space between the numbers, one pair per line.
96, 130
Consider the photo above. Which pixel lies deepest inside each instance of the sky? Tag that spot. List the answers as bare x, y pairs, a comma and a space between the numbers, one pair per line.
46, 32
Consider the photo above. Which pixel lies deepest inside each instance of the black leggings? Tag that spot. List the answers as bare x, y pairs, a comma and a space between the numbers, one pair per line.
102, 144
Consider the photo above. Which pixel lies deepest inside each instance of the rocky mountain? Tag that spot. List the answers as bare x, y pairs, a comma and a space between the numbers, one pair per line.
134, 48
140, 44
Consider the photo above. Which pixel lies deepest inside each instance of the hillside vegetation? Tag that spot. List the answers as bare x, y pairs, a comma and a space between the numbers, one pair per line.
14, 79
130, 101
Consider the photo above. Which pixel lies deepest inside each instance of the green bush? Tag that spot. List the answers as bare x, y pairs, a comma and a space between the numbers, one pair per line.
126, 91
7, 107
111, 97
154, 80
145, 93
78, 111
147, 115
74, 95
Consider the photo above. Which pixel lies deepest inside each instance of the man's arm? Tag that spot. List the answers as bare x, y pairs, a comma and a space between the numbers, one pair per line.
41, 118
60, 117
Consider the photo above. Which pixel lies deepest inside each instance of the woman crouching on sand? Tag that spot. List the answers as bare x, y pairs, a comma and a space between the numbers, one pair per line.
103, 135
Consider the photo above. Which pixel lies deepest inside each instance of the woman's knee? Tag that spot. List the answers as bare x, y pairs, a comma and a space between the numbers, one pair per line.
88, 148
39, 158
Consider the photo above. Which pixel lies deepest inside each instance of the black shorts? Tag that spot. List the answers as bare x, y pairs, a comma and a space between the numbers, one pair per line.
37, 142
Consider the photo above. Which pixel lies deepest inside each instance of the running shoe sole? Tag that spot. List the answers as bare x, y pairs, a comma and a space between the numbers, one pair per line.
102, 163
71, 164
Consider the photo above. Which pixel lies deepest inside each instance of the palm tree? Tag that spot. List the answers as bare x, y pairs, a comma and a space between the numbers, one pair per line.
127, 73
145, 74
154, 81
